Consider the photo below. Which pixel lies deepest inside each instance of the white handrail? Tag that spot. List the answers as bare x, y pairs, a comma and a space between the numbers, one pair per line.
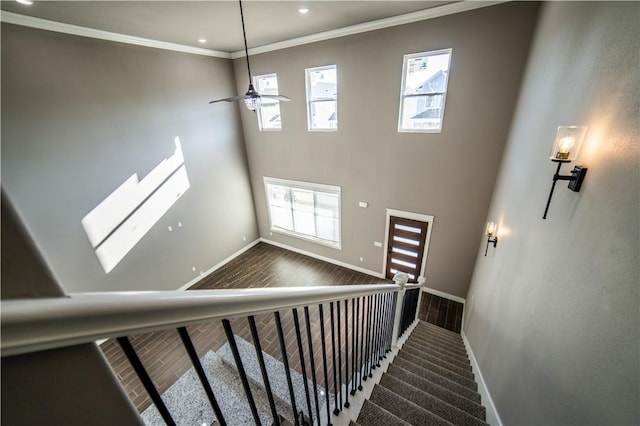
31, 325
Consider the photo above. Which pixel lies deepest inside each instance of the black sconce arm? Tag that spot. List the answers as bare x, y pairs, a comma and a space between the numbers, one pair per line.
575, 181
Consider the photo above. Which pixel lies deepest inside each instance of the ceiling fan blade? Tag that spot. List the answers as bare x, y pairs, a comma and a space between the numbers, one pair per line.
232, 99
278, 97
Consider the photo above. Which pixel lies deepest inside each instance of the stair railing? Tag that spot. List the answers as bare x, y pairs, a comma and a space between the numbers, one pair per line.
364, 321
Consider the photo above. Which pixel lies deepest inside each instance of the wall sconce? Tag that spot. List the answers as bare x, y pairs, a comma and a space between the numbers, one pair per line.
492, 238
564, 150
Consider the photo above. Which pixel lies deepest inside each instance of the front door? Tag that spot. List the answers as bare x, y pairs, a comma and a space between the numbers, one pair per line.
405, 247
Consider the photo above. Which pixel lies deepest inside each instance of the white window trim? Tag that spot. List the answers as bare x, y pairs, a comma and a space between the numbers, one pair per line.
402, 95
255, 84
309, 101
312, 187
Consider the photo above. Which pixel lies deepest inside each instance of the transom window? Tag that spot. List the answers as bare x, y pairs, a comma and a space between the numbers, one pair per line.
424, 87
305, 210
322, 98
269, 111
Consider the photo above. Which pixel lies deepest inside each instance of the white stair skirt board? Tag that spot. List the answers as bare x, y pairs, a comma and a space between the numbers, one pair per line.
493, 418
278, 380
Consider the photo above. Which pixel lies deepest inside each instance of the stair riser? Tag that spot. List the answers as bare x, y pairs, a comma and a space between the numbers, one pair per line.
406, 410
425, 326
422, 357
452, 361
373, 414
438, 379
462, 403
430, 402
459, 347
435, 348
464, 381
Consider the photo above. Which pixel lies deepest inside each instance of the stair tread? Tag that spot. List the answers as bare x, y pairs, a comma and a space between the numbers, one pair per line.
433, 347
373, 415
453, 376
430, 402
418, 349
424, 356
471, 406
428, 326
405, 409
425, 337
438, 379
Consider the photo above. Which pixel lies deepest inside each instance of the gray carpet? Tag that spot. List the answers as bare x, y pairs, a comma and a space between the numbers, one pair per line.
429, 383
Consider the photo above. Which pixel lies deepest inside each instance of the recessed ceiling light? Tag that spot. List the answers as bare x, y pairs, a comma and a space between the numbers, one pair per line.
27, 2
303, 10
202, 40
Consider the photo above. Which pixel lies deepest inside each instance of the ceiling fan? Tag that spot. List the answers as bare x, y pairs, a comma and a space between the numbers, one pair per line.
252, 98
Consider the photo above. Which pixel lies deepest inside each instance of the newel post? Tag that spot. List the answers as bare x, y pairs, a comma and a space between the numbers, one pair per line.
400, 279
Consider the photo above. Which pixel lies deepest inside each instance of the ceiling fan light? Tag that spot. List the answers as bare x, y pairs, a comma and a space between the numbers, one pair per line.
252, 103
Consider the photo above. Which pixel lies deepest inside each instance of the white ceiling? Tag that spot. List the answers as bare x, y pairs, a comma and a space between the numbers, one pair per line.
183, 22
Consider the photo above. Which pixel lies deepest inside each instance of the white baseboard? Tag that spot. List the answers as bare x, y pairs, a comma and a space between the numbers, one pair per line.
493, 418
218, 265
324, 259
443, 294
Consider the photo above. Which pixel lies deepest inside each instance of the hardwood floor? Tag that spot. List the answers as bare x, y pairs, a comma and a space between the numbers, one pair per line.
442, 312
263, 265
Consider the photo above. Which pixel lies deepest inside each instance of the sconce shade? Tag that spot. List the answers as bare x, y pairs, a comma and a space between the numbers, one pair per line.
567, 143
491, 229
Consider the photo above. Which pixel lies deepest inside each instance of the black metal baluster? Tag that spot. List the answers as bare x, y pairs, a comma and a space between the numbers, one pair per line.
193, 355
131, 354
285, 361
354, 339
324, 362
374, 333
303, 365
333, 359
371, 330
393, 317
365, 337
379, 307
339, 390
346, 353
389, 323
362, 334
379, 327
243, 375
263, 369
313, 363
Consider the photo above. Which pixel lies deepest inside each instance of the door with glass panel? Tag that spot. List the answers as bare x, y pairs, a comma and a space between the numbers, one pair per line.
405, 247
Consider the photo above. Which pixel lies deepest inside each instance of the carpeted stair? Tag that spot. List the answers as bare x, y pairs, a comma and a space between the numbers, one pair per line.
430, 382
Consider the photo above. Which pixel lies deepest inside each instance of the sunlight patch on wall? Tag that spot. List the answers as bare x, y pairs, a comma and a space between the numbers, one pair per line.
120, 221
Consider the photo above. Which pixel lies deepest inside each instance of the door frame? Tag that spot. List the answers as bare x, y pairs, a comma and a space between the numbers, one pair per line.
408, 215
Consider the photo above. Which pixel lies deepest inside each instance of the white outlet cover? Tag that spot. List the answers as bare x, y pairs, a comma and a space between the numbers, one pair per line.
363, 204
377, 243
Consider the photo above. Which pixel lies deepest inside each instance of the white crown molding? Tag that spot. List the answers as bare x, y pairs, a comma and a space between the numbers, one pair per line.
421, 15
44, 24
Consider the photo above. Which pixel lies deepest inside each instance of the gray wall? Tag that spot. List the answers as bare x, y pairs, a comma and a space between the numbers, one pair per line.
79, 116
552, 313
449, 175
57, 386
